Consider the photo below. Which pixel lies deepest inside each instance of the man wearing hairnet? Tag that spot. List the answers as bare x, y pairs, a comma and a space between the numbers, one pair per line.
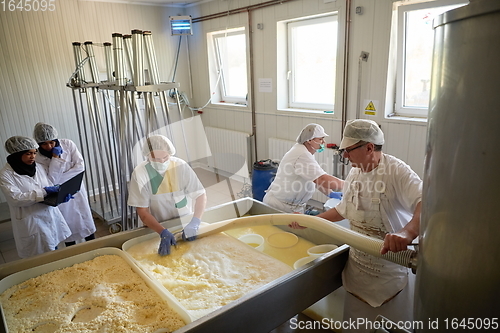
63, 161
382, 199
37, 228
165, 187
299, 174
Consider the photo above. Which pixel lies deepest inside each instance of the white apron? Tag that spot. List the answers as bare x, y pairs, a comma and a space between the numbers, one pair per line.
371, 279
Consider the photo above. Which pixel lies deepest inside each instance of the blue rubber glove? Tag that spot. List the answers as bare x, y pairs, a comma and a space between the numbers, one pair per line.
335, 195
51, 189
167, 240
68, 198
189, 232
57, 151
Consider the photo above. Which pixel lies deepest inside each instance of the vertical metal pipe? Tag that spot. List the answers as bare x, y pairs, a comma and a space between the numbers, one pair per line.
108, 54
129, 54
119, 65
151, 56
81, 135
138, 61
251, 100
94, 71
77, 52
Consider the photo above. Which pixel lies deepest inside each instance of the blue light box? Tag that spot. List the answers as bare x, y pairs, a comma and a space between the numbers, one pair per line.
180, 25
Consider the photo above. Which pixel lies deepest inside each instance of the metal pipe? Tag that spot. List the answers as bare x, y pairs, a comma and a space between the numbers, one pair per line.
77, 53
94, 72
345, 78
119, 65
108, 54
129, 53
138, 61
80, 136
239, 10
151, 56
252, 95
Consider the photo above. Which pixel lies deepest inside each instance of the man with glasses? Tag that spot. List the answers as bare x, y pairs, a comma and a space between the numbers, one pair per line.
299, 174
382, 199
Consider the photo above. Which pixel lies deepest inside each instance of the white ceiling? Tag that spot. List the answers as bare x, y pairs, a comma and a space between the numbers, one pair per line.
155, 2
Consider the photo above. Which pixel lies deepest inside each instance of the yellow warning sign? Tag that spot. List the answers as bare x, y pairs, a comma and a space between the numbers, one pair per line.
370, 109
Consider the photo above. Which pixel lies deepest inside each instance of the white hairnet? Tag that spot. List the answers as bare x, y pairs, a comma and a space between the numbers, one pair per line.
310, 132
158, 142
44, 132
16, 144
361, 130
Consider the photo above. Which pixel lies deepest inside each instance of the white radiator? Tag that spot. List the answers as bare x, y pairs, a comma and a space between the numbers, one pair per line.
230, 151
326, 159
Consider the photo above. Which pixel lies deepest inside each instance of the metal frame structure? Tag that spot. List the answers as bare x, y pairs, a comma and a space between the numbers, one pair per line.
111, 119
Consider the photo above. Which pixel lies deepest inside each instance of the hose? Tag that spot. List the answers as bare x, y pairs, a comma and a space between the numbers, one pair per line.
359, 241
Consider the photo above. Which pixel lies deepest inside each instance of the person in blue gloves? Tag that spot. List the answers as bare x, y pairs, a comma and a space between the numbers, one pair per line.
37, 227
299, 174
62, 161
165, 187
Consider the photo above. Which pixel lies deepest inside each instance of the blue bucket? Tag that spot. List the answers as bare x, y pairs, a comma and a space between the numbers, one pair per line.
263, 175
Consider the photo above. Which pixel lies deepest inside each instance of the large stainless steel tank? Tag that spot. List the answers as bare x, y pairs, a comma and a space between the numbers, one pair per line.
459, 264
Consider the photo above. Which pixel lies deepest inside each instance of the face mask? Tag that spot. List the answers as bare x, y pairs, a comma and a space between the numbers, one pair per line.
160, 167
321, 148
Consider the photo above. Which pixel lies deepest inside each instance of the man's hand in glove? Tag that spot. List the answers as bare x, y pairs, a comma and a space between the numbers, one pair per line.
167, 239
190, 231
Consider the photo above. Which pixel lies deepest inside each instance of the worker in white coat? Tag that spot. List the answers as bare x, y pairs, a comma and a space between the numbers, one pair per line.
62, 161
299, 174
382, 199
165, 187
37, 227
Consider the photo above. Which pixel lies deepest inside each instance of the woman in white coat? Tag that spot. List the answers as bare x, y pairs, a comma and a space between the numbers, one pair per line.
63, 161
299, 174
37, 228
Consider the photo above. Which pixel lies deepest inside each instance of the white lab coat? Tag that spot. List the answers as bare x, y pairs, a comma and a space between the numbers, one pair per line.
37, 228
162, 206
76, 211
293, 185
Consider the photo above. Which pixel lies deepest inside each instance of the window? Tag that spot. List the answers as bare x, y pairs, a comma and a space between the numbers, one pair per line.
228, 66
309, 67
415, 45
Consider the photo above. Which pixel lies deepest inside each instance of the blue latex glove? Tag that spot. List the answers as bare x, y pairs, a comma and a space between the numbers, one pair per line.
57, 151
68, 198
51, 189
167, 240
335, 195
189, 232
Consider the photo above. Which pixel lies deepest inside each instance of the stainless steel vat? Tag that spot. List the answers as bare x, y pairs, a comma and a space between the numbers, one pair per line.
259, 311
458, 275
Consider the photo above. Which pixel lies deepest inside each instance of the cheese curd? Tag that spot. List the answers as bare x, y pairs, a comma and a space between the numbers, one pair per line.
210, 272
99, 295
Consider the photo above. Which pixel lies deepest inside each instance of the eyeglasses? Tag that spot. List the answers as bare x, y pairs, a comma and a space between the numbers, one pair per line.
348, 151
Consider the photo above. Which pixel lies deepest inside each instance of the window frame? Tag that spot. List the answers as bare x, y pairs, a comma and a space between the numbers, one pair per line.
282, 80
216, 72
400, 109
292, 104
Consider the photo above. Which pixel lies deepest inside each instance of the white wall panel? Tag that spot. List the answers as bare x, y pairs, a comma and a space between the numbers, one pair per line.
369, 32
36, 58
